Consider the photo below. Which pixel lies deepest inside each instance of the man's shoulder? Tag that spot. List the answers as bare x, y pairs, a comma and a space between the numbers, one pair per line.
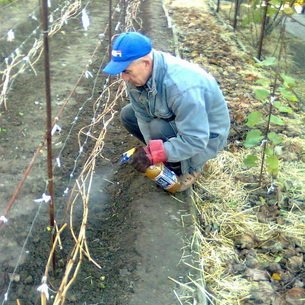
174, 63
179, 72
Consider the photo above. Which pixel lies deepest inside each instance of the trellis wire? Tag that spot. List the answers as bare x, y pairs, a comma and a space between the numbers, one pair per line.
80, 242
29, 234
37, 152
41, 145
24, 60
35, 218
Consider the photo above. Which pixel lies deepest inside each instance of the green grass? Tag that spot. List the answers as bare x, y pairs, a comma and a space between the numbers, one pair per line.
2, 2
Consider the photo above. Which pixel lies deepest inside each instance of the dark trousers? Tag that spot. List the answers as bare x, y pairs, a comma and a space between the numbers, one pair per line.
159, 129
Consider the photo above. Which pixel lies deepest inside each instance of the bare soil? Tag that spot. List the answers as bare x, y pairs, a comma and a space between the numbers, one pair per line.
136, 232
139, 234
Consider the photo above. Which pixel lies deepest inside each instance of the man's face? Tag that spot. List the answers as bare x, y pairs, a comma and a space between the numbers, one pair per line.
137, 73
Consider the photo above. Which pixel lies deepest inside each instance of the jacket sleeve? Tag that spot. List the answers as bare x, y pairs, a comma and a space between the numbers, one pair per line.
144, 128
192, 123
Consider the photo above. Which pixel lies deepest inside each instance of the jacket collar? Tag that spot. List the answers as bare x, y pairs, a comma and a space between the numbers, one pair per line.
151, 83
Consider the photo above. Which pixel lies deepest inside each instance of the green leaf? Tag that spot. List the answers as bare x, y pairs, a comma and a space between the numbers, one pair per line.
276, 120
254, 17
255, 118
261, 94
272, 11
289, 11
288, 95
272, 163
269, 151
275, 2
278, 259
263, 82
275, 138
250, 161
269, 61
282, 108
289, 82
253, 138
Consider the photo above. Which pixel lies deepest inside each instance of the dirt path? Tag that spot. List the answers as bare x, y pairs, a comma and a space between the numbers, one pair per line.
139, 234
148, 240
158, 235
25, 241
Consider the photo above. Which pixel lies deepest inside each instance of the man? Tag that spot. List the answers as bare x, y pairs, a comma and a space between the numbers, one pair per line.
176, 107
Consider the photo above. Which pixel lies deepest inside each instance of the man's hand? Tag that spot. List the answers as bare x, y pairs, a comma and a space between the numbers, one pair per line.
140, 160
153, 153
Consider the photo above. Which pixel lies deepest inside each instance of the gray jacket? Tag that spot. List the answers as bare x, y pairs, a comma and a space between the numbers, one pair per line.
191, 96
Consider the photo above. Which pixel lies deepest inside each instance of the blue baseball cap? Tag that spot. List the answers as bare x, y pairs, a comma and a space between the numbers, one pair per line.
126, 48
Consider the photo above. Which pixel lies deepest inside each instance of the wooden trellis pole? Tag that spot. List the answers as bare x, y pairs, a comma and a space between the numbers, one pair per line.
236, 11
124, 13
218, 6
261, 39
45, 29
110, 27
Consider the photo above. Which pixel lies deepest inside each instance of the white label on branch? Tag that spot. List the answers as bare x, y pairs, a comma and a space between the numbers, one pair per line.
10, 35
45, 198
3, 219
85, 20
55, 129
88, 74
43, 288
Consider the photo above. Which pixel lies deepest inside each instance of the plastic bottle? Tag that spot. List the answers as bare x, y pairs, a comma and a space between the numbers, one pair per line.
159, 173
164, 177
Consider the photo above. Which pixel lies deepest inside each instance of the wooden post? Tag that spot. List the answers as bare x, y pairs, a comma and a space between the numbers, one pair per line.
45, 25
236, 11
110, 27
218, 6
260, 44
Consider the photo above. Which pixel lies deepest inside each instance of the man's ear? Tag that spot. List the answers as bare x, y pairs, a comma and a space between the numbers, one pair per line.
148, 62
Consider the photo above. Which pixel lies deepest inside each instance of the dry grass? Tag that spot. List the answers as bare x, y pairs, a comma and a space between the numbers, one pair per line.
229, 203
225, 216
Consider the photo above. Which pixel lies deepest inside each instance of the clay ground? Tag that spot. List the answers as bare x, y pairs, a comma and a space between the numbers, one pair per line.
139, 234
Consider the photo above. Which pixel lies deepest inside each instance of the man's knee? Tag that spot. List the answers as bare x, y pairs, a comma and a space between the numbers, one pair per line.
127, 115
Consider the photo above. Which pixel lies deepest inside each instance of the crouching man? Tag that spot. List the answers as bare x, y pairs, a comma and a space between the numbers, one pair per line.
174, 103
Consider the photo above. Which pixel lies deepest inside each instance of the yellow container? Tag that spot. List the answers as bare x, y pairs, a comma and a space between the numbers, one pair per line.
164, 177
159, 173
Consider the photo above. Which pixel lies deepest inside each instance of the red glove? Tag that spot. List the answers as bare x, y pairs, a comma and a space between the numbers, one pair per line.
155, 151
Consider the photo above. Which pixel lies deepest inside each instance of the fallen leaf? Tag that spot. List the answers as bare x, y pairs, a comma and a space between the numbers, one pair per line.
245, 241
276, 277
295, 296
251, 77
295, 263
257, 275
